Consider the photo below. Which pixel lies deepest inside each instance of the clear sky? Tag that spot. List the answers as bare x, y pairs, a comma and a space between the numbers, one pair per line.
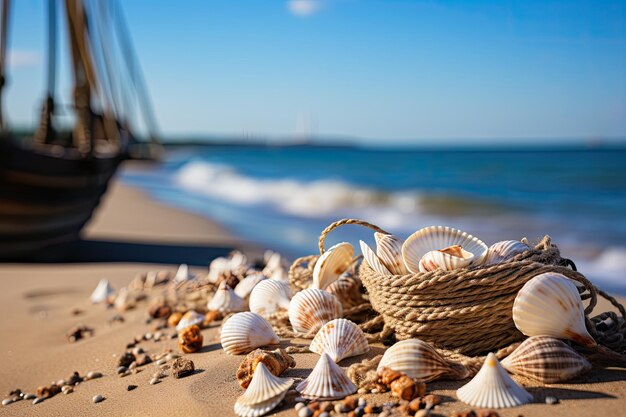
402, 70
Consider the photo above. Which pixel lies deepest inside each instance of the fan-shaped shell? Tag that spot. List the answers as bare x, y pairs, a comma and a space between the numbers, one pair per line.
421, 361
327, 381
102, 291
244, 332
549, 305
183, 274
226, 301
448, 259
264, 393
504, 250
331, 264
372, 259
246, 285
547, 360
189, 319
435, 238
270, 296
310, 309
340, 339
389, 251
347, 289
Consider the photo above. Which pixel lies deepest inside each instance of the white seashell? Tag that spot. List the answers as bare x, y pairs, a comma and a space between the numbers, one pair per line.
504, 250
389, 251
226, 301
124, 300
331, 264
435, 238
347, 289
547, 360
102, 292
264, 393
183, 274
310, 309
217, 268
448, 259
327, 381
372, 259
237, 260
244, 332
270, 296
340, 339
549, 305
274, 262
421, 361
280, 274
492, 387
246, 285
189, 319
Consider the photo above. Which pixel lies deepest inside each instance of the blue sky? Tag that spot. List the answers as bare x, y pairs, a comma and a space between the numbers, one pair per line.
401, 70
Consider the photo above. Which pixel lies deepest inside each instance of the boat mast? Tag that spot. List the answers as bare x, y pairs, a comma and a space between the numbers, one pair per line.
45, 133
4, 30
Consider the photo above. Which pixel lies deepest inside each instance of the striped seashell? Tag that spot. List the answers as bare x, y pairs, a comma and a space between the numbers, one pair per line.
389, 251
189, 319
270, 296
421, 361
327, 381
347, 289
547, 360
340, 339
183, 274
310, 309
334, 262
504, 250
264, 393
435, 238
492, 387
226, 301
549, 305
372, 259
244, 332
246, 285
102, 292
448, 259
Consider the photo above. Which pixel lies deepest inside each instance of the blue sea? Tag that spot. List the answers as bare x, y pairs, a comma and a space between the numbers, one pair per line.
283, 196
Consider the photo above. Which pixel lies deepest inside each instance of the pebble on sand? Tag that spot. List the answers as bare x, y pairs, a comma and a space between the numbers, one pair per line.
131, 387
97, 398
552, 400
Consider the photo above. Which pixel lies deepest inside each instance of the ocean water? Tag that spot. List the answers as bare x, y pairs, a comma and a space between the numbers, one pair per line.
283, 197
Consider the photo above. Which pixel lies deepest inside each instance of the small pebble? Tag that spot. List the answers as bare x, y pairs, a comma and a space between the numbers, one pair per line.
172, 356
298, 406
552, 400
161, 361
97, 398
67, 389
29, 396
147, 336
154, 381
138, 350
339, 408
324, 414
122, 369
362, 402
7, 401
158, 375
422, 413
359, 411
131, 387
385, 413
375, 391
37, 400
94, 375
362, 391
305, 412
126, 373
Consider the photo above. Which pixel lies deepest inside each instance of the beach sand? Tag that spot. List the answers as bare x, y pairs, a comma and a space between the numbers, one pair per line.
36, 303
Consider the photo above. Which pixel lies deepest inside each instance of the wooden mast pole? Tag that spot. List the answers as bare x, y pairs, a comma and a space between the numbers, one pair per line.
4, 32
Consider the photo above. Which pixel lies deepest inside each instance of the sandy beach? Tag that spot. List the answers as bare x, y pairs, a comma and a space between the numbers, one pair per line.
37, 300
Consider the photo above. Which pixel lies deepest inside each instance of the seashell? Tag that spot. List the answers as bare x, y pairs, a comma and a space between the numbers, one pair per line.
327, 381
421, 361
310, 309
190, 339
435, 238
504, 250
226, 301
264, 393
389, 251
448, 259
549, 305
280, 274
274, 262
237, 260
372, 259
340, 339
102, 292
217, 268
276, 361
189, 319
492, 387
547, 360
245, 286
270, 296
244, 332
124, 300
183, 274
347, 289
331, 264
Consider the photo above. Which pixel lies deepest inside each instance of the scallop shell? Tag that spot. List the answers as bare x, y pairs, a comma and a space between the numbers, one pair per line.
421, 361
492, 387
183, 274
189, 319
327, 381
246, 285
340, 339
547, 360
264, 393
448, 259
102, 292
347, 289
331, 264
226, 301
372, 259
549, 305
504, 250
389, 251
270, 296
435, 238
244, 332
310, 309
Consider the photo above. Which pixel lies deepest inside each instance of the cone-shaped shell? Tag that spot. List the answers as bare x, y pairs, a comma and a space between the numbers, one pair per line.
183, 274
448, 259
549, 305
389, 251
310, 309
504, 250
246, 285
226, 301
435, 238
340, 339
547, 360
270, 296
102, 292
373, 260
264, 393
327, 381
244, 332
189, 319
421, 361
492, 387
331, 264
